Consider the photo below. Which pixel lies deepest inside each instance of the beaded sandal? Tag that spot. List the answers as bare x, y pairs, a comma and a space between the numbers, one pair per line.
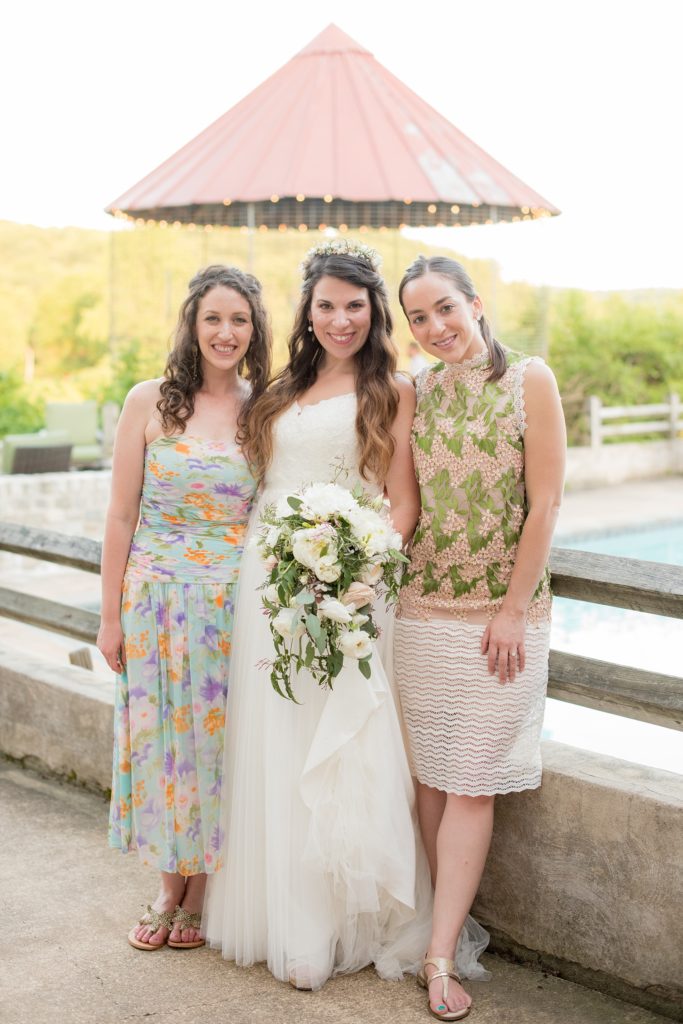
186, 920
154, 920
444, 969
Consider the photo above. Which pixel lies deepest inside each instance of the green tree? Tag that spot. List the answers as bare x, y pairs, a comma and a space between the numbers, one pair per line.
18, 414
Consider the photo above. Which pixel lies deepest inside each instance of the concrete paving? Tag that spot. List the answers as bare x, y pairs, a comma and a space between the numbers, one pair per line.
68, 902
627, 506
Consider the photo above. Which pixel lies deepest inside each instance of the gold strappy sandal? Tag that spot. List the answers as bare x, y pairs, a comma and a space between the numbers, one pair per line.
444, 969
154, 920
186, 920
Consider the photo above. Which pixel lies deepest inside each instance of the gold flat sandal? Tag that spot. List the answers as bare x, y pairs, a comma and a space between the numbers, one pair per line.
444, 969
186, 920
154, 920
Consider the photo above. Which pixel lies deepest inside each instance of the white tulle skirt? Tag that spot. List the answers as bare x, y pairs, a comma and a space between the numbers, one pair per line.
324, 871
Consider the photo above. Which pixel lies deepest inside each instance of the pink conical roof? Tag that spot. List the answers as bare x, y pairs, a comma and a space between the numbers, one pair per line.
332, 122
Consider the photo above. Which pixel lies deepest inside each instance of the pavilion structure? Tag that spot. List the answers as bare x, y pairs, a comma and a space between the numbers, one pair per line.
331, 139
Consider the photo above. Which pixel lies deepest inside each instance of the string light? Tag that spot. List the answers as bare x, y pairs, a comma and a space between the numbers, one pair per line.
327, 198
431, 208
300, 197
455, 208
275, 199
227, 202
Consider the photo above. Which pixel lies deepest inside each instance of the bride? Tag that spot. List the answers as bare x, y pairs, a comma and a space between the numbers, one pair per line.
323, 871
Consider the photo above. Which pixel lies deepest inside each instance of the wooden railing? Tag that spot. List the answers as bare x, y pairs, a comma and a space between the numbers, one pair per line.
602, 579
664, 418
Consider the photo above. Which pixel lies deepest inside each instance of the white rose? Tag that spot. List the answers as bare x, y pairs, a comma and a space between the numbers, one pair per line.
273, 536
327, 569
355, 644
271, 594
373, 574
331, 608
289, 623
324, 500
316, 548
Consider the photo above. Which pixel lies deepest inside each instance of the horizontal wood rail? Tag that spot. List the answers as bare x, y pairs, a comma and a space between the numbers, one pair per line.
602, 419
583, 576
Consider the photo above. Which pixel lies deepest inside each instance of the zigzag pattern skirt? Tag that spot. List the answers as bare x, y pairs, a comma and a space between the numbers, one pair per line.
468, 733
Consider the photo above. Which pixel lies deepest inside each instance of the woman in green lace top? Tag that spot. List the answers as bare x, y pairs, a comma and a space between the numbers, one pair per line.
473, 627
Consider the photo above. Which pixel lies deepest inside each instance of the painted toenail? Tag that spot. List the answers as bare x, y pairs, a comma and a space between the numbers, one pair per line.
441, 1007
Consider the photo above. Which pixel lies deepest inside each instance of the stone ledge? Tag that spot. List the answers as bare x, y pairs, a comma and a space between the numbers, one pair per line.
584, 870
57, 718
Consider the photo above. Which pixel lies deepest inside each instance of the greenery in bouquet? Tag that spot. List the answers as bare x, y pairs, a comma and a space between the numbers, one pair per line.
330, 552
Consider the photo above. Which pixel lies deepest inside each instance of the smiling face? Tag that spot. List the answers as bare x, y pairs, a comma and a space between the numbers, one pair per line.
443, 319
224, 328
341, 317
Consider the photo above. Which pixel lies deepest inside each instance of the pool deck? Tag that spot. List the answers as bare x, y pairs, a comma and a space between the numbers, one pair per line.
639, 503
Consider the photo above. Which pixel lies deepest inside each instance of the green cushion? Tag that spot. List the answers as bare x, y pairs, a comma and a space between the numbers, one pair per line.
78, 419
84, 453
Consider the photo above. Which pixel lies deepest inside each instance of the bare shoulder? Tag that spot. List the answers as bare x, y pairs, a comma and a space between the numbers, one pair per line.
539, 380
405, 387
146, 394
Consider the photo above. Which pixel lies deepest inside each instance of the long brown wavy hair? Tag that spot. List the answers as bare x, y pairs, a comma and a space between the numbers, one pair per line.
375, 363
457, 274
183, 373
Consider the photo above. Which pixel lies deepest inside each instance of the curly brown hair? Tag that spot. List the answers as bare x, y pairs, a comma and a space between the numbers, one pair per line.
375, 365
183, 373
446, 267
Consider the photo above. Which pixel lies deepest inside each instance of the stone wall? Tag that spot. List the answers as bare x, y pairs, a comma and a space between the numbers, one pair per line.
73, 502
617, 463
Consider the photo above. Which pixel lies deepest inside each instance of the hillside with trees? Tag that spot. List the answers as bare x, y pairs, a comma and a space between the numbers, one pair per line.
87, 313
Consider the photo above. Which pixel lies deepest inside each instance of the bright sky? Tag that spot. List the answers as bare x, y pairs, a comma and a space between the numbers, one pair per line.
579, 98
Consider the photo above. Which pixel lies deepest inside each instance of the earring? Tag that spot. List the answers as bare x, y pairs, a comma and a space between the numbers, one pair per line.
310, 328
194, 363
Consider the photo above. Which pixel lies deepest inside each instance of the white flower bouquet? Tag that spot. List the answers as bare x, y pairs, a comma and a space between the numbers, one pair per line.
326, 549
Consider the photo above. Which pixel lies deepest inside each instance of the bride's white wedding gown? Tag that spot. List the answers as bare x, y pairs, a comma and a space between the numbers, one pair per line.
324, 872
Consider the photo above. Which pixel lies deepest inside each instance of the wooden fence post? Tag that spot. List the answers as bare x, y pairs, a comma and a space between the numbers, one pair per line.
674, 415
595, 409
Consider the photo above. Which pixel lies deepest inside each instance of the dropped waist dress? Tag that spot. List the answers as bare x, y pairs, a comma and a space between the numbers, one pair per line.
176, 614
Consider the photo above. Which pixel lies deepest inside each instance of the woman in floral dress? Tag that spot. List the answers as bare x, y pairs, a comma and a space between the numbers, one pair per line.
181, 495
471, 643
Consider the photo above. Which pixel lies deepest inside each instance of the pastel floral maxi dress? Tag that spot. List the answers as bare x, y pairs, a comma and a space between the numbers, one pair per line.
176, 614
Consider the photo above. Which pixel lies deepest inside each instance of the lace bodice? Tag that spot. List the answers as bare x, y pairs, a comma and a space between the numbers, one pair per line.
311, 443
468, 449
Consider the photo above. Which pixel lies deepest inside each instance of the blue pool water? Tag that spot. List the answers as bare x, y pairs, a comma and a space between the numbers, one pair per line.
628, 638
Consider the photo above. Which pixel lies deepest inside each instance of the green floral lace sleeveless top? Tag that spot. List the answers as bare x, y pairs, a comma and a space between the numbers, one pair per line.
468, 448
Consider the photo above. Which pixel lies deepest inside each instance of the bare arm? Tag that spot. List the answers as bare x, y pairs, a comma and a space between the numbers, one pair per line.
122, 515
545, 444
401, 485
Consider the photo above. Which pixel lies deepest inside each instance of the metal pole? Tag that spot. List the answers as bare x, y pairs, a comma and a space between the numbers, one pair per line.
112, 314
251, 224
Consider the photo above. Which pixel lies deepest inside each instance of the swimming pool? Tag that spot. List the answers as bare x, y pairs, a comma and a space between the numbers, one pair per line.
628, 638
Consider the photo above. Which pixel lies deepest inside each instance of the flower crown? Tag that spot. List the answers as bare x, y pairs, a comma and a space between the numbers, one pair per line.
343, 247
